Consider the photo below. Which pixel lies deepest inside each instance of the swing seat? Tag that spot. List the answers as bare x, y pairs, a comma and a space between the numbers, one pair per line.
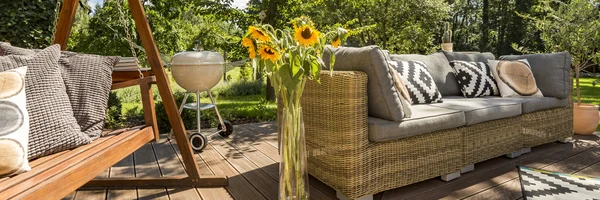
55, 176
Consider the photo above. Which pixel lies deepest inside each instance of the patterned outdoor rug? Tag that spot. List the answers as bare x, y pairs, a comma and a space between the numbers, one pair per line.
540, 184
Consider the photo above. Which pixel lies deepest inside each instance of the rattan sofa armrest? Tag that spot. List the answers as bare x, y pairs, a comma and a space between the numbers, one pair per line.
335, 114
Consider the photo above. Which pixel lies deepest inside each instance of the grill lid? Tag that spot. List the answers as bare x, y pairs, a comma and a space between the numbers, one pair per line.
198, 58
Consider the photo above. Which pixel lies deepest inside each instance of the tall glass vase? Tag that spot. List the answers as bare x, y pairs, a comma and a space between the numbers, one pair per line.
293, 172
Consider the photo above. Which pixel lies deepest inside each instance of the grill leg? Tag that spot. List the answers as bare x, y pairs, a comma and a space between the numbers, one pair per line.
198, 121
217, 111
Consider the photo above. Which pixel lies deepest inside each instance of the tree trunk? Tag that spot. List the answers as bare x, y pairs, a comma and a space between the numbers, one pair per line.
483, 43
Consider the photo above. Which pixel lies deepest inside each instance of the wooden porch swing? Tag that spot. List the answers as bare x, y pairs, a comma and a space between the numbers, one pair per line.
57, 175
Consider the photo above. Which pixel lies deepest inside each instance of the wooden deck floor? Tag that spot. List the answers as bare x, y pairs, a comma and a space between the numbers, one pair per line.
249, 157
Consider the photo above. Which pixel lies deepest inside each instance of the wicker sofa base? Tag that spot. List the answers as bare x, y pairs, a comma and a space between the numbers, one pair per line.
388, 165
547, 126
491, 139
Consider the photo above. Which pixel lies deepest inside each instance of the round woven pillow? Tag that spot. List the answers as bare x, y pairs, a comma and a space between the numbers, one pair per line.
518, 76
12, 157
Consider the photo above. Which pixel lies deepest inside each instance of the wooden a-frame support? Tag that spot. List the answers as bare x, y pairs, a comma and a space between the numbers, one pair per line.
63, 29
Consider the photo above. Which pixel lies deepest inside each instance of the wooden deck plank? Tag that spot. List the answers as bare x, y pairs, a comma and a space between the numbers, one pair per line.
123, 168
90, 194
266, 131
512, 188
146, 165
247, 146
258, 178
238, 186
509, 172
481, 169
205, 193
170, 165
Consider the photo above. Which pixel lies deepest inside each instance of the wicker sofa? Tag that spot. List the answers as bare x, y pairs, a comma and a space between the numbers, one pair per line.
360, 144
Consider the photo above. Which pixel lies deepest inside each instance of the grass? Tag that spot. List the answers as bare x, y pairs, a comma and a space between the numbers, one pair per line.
589, 94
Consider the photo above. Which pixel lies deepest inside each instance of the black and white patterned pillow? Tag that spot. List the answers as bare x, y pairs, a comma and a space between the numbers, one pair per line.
475, 79
420, 84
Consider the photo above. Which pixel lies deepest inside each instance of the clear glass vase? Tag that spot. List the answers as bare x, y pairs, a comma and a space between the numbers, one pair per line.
293, 171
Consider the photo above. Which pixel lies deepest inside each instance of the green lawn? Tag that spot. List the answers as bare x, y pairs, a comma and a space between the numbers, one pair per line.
589, 93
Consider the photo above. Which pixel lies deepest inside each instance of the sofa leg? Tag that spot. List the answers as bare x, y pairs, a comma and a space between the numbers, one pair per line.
467, 168
566, 140
341, 196
514, 154
450, 176
525, 150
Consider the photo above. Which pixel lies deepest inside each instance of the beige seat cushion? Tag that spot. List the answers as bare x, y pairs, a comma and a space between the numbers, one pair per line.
425, 119
478, 110
533, 104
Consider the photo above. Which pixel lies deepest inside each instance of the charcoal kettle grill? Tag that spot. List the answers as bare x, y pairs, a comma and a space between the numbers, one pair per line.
197, 72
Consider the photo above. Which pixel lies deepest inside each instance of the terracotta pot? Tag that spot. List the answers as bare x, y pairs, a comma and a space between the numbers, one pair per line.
447, 47
585, 118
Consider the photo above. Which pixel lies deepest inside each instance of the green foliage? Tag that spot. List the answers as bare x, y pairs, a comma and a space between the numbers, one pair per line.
26, 23
239, 88
401, 26
113, 112
246, 72
573, 27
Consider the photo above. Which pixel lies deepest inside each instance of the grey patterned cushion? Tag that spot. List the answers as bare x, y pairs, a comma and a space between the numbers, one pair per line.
52, 125
88, 79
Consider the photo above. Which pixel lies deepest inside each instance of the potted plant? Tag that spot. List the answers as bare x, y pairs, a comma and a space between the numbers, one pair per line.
289, 58
573, 27
447, 38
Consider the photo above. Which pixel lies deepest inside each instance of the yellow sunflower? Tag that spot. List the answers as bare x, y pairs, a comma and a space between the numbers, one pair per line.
266, 52
307, 35
336, 42
247, 42
258, 34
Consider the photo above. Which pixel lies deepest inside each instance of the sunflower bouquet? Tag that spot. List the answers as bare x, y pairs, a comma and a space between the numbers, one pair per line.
290, 57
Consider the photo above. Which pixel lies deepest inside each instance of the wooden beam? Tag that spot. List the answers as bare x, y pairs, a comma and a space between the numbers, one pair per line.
65, 23
122, 75
134, 82
162, 80
206, 181
148, 105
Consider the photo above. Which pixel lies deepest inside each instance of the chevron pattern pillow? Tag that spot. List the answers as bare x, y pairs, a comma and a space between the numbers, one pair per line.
475, 79
418, 81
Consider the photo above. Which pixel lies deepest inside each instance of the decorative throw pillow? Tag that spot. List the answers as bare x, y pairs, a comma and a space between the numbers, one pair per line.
403, 92
88, 79
52, 125
419, 83
475, 79
14, 123
514, 78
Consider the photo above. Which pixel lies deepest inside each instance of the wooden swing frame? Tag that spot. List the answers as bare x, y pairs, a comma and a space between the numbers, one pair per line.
57, 175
